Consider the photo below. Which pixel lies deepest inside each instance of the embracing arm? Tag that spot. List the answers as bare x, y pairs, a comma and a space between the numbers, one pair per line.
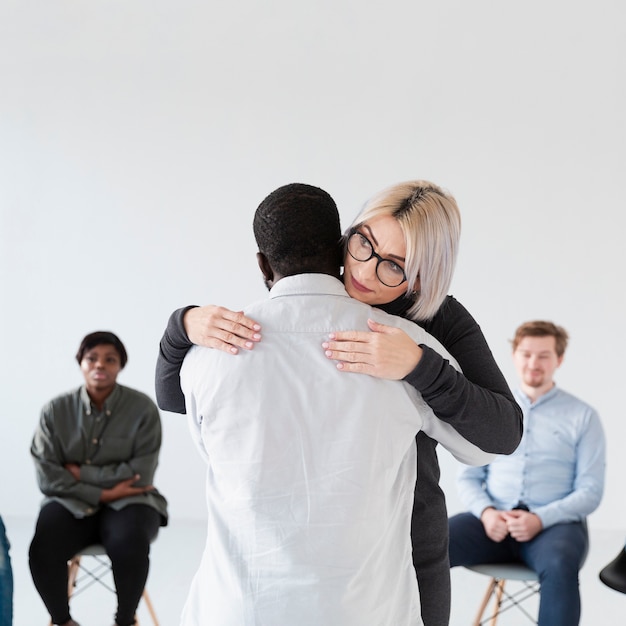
210, 326
172, 350
478, 403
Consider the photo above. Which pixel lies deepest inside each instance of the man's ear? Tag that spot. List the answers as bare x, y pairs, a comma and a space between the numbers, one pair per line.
266, 269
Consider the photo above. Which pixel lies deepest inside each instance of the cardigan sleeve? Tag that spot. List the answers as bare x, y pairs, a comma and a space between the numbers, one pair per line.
478, 402
173, 347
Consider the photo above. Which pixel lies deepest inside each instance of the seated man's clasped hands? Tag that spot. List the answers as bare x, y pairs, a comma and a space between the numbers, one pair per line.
519, 524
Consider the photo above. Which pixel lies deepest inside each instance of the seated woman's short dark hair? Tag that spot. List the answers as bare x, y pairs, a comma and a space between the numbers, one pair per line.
102, 337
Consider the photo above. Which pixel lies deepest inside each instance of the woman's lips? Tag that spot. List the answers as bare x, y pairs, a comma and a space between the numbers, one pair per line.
358, 286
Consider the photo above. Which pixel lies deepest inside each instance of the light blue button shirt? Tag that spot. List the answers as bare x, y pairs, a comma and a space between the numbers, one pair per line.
557, 470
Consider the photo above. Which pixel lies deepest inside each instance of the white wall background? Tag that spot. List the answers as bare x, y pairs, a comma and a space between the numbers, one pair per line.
137, 138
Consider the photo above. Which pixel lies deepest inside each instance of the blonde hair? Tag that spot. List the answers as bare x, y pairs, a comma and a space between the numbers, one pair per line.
431, 222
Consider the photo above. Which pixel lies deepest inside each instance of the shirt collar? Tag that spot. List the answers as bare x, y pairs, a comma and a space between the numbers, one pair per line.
524, 400
108, 403
308, 284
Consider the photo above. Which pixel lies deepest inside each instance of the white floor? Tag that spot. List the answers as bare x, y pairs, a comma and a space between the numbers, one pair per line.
176, 553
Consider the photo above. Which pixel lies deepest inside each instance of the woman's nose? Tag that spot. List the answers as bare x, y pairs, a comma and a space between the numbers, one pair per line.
372, 265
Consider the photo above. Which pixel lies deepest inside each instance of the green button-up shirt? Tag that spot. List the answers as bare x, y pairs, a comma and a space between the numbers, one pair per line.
111, 445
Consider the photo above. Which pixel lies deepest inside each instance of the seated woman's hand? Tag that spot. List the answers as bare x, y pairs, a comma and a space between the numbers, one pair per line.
73, 469
124, 489
218, 327
386, 352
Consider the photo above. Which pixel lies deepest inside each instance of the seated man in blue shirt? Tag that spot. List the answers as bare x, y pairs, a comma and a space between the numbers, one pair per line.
531, 506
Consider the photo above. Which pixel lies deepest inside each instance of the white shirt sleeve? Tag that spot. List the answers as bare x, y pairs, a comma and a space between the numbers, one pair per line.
194, 418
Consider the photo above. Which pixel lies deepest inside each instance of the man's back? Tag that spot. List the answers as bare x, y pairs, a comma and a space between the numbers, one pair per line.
310, 476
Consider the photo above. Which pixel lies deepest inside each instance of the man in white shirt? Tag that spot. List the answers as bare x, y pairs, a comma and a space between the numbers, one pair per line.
531, 506
310, 472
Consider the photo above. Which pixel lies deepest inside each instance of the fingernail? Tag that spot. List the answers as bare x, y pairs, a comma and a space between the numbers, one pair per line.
328, 353
325, 344
257, 327
249, 344
256, 336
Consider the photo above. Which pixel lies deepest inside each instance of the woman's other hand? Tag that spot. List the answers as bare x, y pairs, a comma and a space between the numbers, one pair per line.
386, 352
216, 327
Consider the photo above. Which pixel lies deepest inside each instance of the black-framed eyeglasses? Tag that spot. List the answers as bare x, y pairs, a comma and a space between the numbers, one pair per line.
389, 273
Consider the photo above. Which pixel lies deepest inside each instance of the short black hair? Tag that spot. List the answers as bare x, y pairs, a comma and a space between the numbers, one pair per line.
297, 228
98, 338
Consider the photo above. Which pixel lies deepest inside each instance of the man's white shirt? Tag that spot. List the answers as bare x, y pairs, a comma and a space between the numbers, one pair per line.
310, 471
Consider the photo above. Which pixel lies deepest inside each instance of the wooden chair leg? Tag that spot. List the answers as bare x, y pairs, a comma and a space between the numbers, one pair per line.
483, 605
146, 599
497, 602
72, 572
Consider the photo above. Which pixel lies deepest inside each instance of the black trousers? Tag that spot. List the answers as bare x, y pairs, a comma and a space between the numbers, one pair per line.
126, 535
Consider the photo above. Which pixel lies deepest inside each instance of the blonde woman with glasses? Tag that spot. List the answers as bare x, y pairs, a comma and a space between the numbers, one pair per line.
400, 254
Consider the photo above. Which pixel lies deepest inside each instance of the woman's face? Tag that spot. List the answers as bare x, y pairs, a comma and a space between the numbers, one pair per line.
359, 277
100, 367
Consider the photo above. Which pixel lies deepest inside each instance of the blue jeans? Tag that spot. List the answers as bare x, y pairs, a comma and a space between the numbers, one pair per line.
556, 554
6, 579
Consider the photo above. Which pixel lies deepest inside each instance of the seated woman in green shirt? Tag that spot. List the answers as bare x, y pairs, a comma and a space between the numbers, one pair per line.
96, 450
